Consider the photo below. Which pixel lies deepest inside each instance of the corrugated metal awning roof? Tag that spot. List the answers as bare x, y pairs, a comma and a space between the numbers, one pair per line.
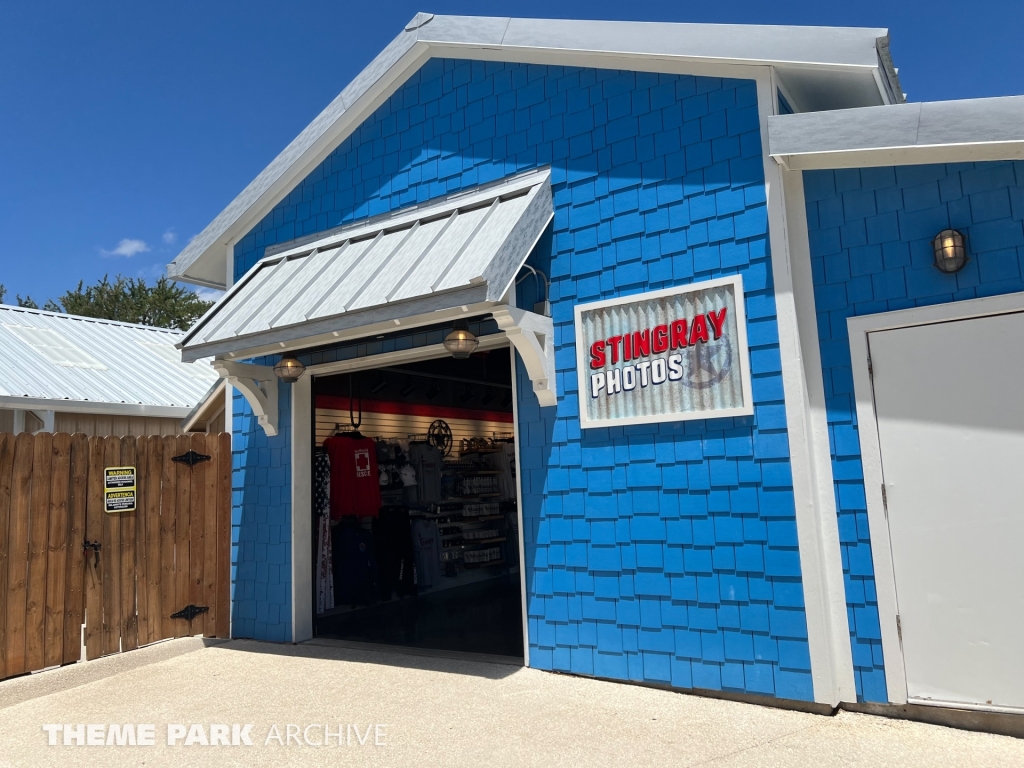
460, 250
53, 361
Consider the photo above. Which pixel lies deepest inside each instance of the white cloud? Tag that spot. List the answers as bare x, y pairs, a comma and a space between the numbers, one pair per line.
209, 294
128, 248
170, 236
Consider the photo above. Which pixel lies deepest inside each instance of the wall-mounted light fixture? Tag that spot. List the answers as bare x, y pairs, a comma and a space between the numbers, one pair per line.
461, 342
950, 249
289, 369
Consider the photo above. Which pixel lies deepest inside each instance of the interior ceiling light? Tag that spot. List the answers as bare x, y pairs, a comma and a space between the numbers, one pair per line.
289, 369
433, 390
379, 384
408, 387
950, 249
461, 342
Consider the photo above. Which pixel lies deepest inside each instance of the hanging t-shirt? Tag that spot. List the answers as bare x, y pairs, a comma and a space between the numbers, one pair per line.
355, 487
426, 459
505, 462
426, 542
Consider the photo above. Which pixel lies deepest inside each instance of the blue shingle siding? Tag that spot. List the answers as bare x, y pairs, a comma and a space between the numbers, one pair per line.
664, 553
870, 234
261, 522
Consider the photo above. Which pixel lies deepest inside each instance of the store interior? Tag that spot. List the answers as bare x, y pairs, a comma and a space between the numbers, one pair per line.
416, 530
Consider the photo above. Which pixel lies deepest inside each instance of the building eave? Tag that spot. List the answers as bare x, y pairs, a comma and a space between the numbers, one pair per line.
642, 46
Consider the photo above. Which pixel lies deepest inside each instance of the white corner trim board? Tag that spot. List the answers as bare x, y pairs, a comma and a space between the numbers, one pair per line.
302, 499
821, 567
871, 457
258, 385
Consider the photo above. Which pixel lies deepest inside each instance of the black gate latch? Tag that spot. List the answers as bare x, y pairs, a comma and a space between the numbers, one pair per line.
190, 611
95, 547
191, 458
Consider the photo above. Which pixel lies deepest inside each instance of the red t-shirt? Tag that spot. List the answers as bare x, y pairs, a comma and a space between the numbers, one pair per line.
355, 485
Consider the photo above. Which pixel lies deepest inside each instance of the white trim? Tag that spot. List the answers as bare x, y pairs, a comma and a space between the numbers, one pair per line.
743, 353
828, 634
88, 406
911, 155
533, 336
302, 509
384, 79
519, 508
258, 384
430, 352
871, 457
229, 427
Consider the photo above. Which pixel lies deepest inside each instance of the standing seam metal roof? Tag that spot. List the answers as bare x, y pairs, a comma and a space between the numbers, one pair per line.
137, 371
461, 249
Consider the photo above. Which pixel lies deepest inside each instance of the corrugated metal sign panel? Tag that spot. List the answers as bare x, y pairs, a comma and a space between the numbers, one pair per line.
57, 357
664, 356
468, 246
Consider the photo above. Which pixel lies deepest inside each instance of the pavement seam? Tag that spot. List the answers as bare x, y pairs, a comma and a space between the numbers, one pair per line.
719, 758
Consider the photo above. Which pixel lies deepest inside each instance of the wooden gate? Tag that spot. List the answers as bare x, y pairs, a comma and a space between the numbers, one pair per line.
64, 560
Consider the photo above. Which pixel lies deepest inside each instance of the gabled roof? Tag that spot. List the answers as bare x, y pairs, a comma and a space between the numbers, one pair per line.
821, 67
461, 250
53, 361
933, 132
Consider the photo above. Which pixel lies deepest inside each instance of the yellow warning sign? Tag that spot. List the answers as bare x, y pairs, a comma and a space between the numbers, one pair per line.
119, 489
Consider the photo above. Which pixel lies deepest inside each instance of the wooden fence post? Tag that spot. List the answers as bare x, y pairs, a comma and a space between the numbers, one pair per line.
74, 597
93, 568
6, 478
17, 562
57, 545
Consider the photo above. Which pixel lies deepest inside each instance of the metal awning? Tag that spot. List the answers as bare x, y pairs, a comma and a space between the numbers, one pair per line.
410, 268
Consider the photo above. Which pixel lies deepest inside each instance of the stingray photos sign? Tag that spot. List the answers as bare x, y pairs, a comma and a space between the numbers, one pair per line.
668, 355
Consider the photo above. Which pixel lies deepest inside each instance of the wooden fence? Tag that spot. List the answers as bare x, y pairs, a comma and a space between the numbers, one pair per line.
64, 560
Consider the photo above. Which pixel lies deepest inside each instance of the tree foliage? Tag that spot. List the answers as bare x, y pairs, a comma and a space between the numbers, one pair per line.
129, 300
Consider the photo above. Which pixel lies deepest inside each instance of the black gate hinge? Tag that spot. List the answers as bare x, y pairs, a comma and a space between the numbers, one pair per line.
191, 458
190, 611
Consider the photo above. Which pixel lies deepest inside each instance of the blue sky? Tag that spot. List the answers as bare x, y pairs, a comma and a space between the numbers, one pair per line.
126, 127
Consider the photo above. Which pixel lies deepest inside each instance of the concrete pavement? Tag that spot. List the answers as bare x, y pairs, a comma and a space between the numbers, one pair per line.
421, 711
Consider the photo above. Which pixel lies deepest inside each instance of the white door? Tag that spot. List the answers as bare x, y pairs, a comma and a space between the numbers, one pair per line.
949, 400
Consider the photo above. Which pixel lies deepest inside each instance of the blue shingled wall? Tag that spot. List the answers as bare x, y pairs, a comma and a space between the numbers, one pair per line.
870, 234
660, 553
261, 522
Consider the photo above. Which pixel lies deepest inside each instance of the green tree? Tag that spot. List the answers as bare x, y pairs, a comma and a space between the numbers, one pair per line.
131, 300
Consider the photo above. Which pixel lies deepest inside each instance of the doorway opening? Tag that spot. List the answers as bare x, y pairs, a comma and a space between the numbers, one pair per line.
415, 513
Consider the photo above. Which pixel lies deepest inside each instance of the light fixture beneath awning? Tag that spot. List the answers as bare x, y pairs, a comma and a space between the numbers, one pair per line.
289, 369
461, 342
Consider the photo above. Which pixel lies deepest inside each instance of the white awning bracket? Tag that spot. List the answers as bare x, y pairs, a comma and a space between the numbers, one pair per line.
533, 336
258, 385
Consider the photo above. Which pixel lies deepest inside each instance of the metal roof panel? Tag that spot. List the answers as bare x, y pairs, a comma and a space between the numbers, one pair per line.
455, 243
140, 367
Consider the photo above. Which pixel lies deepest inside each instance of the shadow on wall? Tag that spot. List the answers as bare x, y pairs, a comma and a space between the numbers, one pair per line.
261, 522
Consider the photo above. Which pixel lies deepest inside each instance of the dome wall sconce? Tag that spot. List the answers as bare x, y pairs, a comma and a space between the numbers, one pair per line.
461, 342
950, 248
289, 369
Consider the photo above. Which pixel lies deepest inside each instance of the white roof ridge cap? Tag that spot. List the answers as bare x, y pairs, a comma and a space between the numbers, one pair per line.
84, 318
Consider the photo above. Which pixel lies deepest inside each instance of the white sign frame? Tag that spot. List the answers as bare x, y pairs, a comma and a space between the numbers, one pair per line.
743, 356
